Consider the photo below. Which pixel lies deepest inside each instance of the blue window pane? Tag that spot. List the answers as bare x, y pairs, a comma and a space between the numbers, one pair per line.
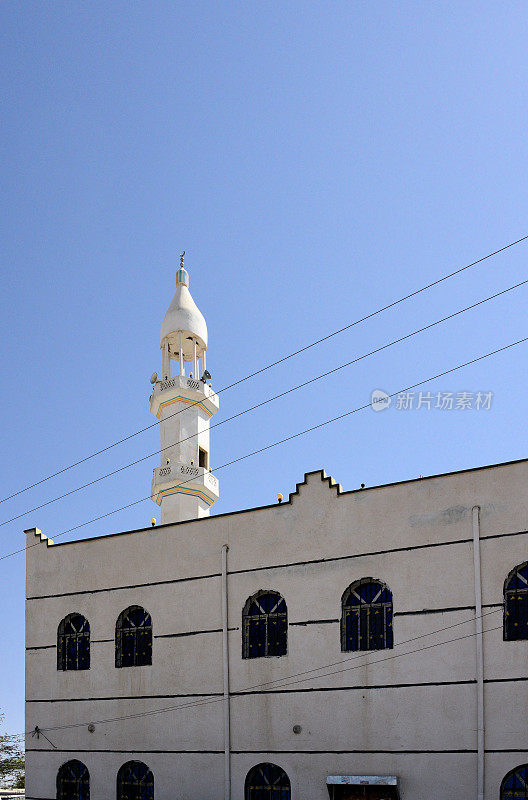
73, 643
73, 781
264, 626
515, 784
135, 782
516, 604
267, 782
518, 578
366, 621
133, 638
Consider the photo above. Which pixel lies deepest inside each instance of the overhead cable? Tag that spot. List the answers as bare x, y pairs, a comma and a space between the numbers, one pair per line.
265, 402
290, 679
283, 441
272, 364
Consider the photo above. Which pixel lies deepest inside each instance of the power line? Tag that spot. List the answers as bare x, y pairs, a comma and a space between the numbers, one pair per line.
351, 658
270, 366
283, 441
287, 680
396, 655
248, 689
265, 402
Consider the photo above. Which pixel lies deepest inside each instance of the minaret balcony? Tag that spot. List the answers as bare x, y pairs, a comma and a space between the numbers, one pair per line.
184, 479
183, 389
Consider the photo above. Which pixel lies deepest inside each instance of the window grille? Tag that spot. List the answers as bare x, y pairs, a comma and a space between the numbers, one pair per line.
73, 781
516, 603
73, 643
267, 782
135, 782
133, 645
264, 625
366, 619
515, 784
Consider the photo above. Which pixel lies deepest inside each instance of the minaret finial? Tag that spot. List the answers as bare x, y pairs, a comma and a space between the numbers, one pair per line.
182, 276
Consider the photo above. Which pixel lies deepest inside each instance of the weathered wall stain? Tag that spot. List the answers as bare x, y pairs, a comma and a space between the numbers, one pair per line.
451, 516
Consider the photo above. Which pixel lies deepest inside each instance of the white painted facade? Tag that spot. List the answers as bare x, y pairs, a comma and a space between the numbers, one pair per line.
404, 719
410, 716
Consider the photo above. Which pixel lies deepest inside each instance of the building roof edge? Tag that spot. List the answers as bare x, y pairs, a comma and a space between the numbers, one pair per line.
332, 484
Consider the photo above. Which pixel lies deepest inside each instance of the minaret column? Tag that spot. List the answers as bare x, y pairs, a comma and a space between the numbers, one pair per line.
195, 359
165, 360
182, 365
183, 485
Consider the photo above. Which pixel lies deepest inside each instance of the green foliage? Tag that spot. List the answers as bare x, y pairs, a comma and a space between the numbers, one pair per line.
11, 760
20, 782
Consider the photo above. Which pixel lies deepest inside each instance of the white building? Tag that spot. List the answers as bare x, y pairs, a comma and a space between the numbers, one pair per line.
371, 643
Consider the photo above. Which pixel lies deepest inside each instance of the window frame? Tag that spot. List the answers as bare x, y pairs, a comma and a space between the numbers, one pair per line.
121, 629
135, 763
508, 596
364, 609
512, 774
264, 617
85, 775
264, 765
63, 639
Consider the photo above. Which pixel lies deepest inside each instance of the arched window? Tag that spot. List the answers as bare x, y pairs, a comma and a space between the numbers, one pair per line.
516, 603
73, 781
366, 618
73, 643
133, 645
267, 782
515, 784
264, 625
135, 782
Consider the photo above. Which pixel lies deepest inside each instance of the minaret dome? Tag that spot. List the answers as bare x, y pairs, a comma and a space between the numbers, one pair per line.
183, 316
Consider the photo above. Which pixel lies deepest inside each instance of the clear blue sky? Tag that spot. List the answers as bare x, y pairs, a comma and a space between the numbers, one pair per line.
316, 161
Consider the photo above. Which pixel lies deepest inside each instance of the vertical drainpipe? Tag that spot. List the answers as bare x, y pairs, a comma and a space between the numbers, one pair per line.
479, 653
225, 655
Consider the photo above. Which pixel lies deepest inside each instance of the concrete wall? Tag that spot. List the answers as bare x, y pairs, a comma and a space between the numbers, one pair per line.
383, 712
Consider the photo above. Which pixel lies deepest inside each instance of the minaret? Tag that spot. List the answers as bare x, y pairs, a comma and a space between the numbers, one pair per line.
183, 485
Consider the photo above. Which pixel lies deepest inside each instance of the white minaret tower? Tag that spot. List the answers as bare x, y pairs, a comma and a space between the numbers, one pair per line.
183, 485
